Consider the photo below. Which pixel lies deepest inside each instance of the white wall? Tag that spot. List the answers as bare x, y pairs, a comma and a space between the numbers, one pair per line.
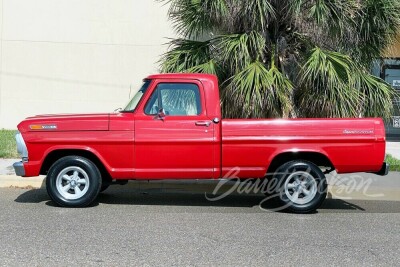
68, 56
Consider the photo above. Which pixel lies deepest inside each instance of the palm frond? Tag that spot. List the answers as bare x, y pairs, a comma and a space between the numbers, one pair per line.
239, 50
283, 89
257, 92
376, 27
210, 67
185, 54
325, 86
257, 14
377, 95
192, 18
336, 17
295, 6
275, 56
320, 11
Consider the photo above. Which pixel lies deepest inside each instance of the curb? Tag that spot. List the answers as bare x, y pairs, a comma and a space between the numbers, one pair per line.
201, 186
371, 193
7, 181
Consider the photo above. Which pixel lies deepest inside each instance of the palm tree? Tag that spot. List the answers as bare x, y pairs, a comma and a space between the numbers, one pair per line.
287, 58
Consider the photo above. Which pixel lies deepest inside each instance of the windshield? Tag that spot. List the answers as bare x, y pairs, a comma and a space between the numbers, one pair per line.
135, 100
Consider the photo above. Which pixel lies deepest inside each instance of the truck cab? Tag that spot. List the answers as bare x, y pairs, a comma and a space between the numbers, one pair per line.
177, 128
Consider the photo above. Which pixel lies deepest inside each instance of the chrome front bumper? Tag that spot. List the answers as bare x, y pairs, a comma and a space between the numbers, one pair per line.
19, 168
23, 151
21, 146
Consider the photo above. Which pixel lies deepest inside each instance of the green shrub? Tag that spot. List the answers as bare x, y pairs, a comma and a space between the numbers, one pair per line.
8, 148
394, 163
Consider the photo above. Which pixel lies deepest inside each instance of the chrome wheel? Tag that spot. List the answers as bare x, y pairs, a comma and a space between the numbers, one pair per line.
300, 187
72, 182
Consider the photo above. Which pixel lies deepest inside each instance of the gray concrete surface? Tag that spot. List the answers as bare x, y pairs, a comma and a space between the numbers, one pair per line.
362, 186
170, 228
393, 148
6, 167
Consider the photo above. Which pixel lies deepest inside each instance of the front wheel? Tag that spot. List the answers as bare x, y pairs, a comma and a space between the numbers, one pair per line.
302, 186
73, 181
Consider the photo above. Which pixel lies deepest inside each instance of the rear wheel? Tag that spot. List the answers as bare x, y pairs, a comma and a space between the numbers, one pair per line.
302, 186
73, 181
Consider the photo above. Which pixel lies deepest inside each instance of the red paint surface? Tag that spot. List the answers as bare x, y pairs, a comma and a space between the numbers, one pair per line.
137, 146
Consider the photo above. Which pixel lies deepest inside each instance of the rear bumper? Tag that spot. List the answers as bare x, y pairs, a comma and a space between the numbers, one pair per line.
19, 168
384, 170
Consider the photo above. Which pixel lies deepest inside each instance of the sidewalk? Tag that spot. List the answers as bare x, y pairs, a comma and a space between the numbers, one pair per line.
6, 167
361, 186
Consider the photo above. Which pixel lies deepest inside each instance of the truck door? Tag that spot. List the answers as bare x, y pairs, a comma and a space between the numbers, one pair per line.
174, 138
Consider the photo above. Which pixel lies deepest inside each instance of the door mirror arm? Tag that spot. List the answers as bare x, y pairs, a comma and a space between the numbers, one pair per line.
160, 115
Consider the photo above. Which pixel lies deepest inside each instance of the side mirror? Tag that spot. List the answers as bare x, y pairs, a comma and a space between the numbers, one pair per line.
161, 114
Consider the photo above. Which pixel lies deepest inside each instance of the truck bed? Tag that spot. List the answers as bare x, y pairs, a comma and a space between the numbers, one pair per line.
251, 144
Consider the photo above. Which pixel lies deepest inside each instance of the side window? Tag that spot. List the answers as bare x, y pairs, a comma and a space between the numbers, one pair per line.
177, 99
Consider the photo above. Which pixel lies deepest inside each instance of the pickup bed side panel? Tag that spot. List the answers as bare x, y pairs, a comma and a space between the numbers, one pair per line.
352, 145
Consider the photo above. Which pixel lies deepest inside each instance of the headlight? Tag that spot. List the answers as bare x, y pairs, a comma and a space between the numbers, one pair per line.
21, 147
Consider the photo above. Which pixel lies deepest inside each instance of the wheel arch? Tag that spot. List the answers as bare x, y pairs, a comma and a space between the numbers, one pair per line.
56, 154
318, 158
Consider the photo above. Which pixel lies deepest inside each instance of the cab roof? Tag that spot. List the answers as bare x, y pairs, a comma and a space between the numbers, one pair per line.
197, 76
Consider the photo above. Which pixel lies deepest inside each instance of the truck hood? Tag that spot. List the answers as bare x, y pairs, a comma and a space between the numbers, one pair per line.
66, 122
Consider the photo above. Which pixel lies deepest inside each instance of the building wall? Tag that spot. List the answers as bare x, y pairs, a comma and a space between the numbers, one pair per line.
389, 68
67, 56
394, 50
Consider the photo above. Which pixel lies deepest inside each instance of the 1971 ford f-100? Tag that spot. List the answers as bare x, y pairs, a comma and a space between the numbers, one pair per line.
172, 129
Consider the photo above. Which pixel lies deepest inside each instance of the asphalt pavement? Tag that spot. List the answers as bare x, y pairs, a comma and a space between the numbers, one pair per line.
172, 223
165, 227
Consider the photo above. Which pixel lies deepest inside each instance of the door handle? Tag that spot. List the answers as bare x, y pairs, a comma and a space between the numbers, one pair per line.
203, 123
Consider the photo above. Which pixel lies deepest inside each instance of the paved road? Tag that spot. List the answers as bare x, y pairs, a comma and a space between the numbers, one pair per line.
167, 227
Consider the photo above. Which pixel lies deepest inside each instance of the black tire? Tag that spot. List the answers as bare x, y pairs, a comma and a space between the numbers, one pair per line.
107, 181
296, 176
79, 175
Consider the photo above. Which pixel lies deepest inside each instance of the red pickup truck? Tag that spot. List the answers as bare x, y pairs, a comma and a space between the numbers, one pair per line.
172, 129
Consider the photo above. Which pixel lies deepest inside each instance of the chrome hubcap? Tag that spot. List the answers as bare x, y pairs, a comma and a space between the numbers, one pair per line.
300, 187
72, 182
